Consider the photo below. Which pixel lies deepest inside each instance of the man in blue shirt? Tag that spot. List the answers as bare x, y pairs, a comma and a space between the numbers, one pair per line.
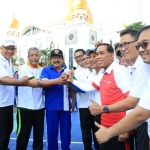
57, 102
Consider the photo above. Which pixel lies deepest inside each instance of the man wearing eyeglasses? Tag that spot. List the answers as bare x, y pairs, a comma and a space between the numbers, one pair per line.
82, 74
142, 111
140, 75
8, 49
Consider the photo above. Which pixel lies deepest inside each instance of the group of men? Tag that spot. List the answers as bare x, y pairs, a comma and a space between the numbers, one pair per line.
106, 93
121, 90
32, 79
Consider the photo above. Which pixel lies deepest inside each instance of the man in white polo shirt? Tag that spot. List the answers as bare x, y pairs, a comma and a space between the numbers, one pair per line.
82, 73
142, 111
114, 86
8, 49
140, 75
30, 107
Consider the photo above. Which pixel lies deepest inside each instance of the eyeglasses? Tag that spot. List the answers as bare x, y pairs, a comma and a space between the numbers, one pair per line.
126, 44
86, 58
10, 48
143, 45
77, 57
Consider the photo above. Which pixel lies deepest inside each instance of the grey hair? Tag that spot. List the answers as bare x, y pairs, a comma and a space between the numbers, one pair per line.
33, 48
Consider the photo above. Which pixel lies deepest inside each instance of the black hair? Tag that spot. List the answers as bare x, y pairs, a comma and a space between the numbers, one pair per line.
80, 50
116, 46
144, 28
74, 68
134, 33
109, 47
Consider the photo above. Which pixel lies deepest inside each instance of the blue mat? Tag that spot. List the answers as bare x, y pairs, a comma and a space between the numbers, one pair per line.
76, 137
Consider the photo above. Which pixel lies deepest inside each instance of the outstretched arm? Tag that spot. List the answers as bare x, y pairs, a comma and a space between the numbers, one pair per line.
138, 116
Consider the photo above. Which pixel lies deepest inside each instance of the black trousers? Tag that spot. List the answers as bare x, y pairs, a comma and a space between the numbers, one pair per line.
26, 119
141, 137
6, 126
88, 128
114, 144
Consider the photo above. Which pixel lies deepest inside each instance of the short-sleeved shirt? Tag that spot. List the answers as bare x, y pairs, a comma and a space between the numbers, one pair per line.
82, 75
140, 75
28, 97
95, 95
145, 98
114, 87
7, 93
57, 96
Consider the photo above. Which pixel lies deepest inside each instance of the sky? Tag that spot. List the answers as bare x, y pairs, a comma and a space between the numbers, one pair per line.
107, 12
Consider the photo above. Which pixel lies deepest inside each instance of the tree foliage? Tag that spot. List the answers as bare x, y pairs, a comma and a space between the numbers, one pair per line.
14, 59
136, 25
45, 56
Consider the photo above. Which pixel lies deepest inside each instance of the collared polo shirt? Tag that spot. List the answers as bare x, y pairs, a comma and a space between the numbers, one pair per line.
95, 95
28, 97
7, 93
145, 102
114, 87
57, 96
82, 75
145, 98
140, 75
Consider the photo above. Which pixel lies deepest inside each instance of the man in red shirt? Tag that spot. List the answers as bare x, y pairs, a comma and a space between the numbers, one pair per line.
114, 86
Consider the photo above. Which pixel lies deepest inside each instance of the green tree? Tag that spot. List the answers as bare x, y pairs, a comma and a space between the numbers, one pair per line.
14, 59
136, 25
45, 56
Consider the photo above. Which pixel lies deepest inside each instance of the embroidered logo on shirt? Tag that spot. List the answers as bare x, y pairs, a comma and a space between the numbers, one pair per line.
108, 82
4, 66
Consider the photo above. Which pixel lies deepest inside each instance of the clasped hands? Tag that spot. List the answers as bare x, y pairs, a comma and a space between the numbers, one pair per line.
67, 77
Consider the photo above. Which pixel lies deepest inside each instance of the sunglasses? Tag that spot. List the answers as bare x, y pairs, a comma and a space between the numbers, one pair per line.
144, 45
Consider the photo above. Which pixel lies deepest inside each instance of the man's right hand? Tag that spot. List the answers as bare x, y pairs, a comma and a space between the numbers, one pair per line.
34, 83
24, 80
62, 80
70, 76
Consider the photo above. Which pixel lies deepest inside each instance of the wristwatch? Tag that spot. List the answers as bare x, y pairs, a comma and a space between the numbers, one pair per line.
106, 109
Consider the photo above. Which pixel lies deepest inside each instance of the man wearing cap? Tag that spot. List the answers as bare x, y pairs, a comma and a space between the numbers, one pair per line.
114, 86
82, 74
57, 102
8, 49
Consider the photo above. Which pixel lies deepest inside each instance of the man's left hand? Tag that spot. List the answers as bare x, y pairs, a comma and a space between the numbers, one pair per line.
95, 108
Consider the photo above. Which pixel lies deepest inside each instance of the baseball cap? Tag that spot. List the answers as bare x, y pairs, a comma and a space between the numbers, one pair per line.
9, 42
89, 51
56, 52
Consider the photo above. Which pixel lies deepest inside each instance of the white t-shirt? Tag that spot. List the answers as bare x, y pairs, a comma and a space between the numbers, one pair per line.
28, 97
7, 93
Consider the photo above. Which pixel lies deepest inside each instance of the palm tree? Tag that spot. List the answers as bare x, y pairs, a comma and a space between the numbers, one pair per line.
45, 56
14, 59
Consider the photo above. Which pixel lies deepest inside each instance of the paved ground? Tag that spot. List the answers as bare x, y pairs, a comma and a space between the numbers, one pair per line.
76, 139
